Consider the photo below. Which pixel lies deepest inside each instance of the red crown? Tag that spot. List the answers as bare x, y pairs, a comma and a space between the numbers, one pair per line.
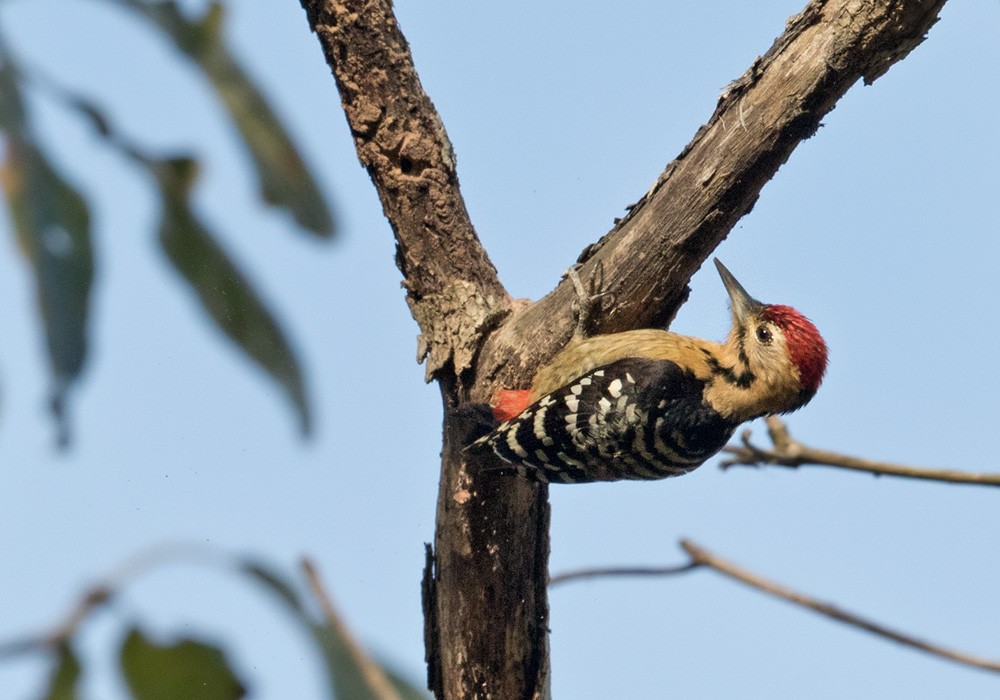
805, 344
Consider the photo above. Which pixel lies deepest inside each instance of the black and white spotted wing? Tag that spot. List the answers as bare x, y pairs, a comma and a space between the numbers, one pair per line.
633, 419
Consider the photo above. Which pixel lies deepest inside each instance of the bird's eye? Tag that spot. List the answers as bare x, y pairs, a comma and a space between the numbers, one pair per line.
764, 335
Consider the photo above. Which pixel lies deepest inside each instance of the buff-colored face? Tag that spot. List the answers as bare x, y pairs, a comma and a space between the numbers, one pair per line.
781, 349
766, 350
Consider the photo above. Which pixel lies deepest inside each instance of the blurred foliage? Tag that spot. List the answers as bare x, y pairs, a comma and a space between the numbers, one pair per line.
284, 179
187, 669
65, 675
195, 669
226, 295
52, 223
352, 673
51, 217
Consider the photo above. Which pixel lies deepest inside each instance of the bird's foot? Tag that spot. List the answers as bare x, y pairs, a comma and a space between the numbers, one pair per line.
588, 299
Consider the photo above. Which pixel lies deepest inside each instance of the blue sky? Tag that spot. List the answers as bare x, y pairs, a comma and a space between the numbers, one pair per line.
881, 228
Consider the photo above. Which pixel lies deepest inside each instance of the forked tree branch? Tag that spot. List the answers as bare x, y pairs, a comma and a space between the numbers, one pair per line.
788, 452
485, 592
485, 607
702, 558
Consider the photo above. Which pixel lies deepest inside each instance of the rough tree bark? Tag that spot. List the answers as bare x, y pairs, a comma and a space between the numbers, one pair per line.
485, 585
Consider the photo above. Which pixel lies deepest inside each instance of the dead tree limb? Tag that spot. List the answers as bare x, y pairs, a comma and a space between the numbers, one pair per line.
485, 595
702, 558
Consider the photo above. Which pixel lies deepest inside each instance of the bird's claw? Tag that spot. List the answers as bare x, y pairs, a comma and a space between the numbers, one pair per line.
588, 301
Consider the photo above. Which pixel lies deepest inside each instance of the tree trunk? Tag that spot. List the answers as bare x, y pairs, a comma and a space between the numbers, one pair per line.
485, 585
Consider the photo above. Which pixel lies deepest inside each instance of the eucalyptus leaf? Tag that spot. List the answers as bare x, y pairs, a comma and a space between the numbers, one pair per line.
277, 584
65, 675
187, 669
52, 223
12, 116
223, 290
285, 180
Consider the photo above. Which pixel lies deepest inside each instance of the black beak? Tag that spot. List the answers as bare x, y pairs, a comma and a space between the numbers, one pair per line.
743, 304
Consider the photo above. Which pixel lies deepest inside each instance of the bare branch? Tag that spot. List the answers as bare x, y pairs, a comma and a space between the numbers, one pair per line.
100, 594
599, 572
92, 599
702, 557
788, 452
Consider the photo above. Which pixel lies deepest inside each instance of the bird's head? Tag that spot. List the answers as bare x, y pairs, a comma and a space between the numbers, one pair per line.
780, 347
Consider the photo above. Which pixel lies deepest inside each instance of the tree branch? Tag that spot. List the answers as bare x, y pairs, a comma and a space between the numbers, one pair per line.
452, 287
484, 590
92, 599
788, 452
648, 258
702, 558
98, 595
605, 572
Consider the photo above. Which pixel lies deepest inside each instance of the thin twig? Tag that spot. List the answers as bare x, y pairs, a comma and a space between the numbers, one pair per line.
92, 599
597, 572
374, 676
98, 595
788, 452
702, 557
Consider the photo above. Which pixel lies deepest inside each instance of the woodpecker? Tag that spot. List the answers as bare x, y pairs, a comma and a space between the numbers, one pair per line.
649, 404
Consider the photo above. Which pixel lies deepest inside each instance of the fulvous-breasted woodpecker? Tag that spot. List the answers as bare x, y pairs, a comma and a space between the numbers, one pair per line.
648, 404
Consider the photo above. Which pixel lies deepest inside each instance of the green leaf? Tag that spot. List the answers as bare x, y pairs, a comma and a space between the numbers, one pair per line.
12, 116
284, 179
224, 292
52, 223
62, 683
277, 584
186, 670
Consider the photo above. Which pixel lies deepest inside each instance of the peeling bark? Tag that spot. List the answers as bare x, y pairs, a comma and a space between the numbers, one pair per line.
484, 587
453, 323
